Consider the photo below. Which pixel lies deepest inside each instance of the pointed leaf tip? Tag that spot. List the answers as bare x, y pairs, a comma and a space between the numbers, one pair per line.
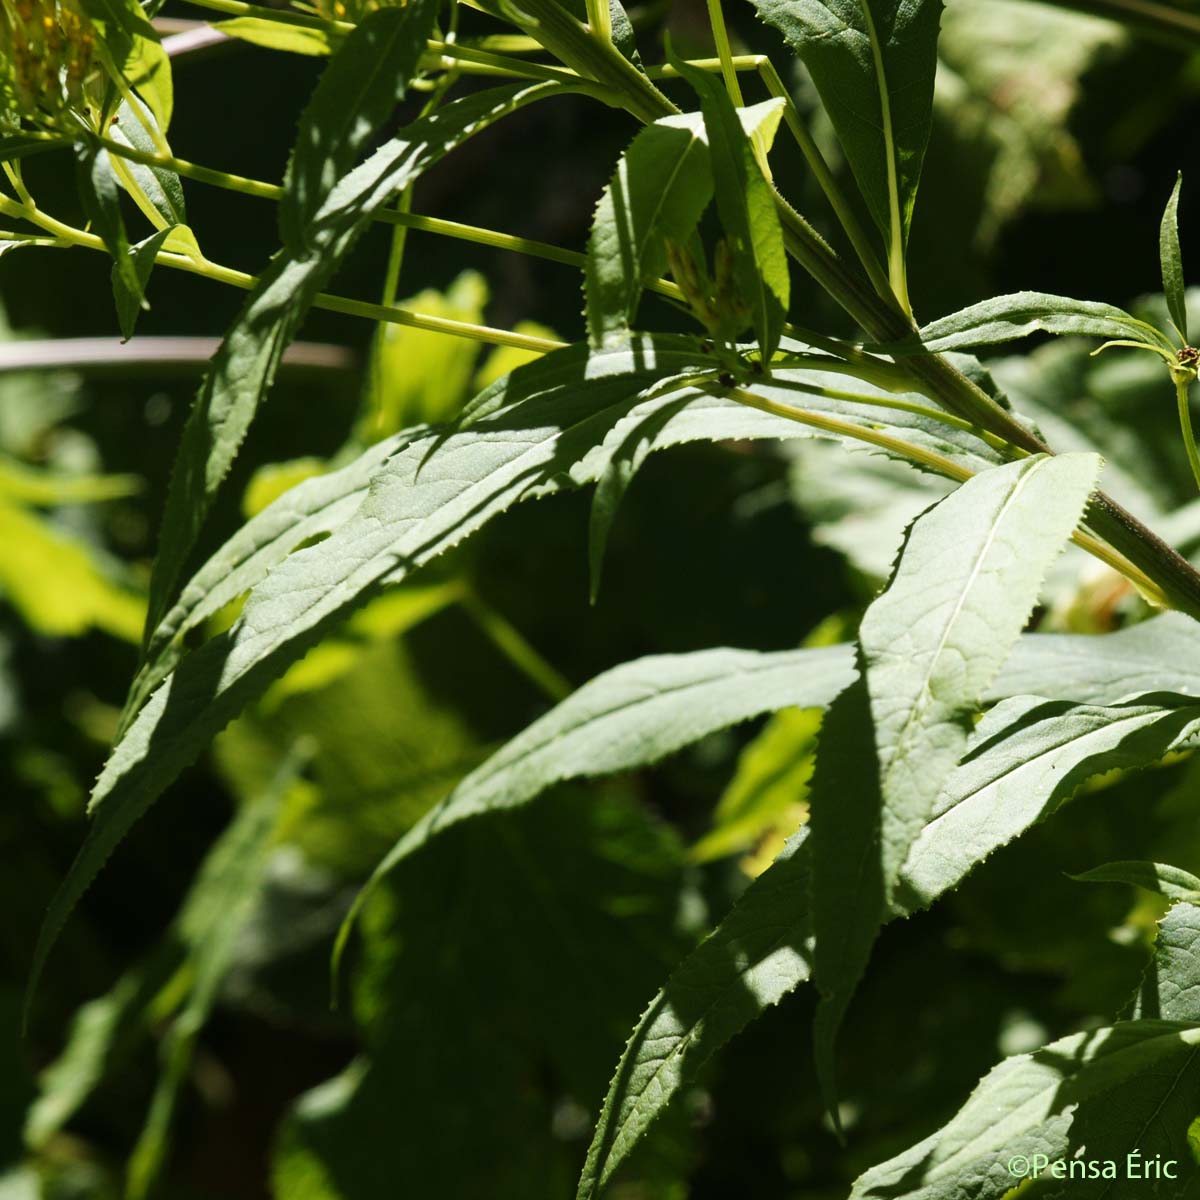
1171, 260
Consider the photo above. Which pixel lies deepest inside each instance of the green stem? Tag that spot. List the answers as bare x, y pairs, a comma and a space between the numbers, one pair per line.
280, 16
919, 410
271, 191
838, 200
1185, 424
515, 647
848, 429
938, 463
1173, 577
600, 19
451, 229
338, 304
716, 20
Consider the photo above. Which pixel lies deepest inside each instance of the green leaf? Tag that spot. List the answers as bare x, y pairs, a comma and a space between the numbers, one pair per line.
103, 1034
544, 428
1008, 92
1007, 318
761, 951
873, 62
661, 422
308, 511
224, 896
1171, 260
1026, 757
244, 367
628, 717
160, 185
101, 200
130, 304
357, 93
746, 202
965, 583
1171, 882
107, 1030
28, 485
1170, 988
1159, 655
439, 950
1103, 1093
137, 53
273, 35
520, 441
660, 187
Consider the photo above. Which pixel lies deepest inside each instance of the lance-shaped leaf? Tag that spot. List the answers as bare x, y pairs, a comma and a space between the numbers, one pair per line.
1159, 655
135, 50
966, 581
996, 796
161, 186
758, 954
1173, 883
1171, 260
131, 303
628, 717
1026, 757
357, 93
1007, 318
1132, 1087
270, 34
244, 366
746, 203
102, 202
311, 509
158, 187
520, 442
660, 187
873, 62
106, 1031
227, 890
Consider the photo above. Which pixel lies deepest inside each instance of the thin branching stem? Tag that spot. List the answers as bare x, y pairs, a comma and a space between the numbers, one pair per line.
455, 229
1182, 384
941, 465
340, 304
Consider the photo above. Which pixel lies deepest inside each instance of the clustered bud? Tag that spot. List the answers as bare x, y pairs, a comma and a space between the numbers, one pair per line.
46, 57
716, 303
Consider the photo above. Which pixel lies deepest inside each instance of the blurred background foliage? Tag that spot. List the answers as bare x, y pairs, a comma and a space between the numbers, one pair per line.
183, 1043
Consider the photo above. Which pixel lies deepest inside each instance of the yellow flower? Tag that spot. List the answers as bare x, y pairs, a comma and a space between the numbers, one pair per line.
46, 49
353, 10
